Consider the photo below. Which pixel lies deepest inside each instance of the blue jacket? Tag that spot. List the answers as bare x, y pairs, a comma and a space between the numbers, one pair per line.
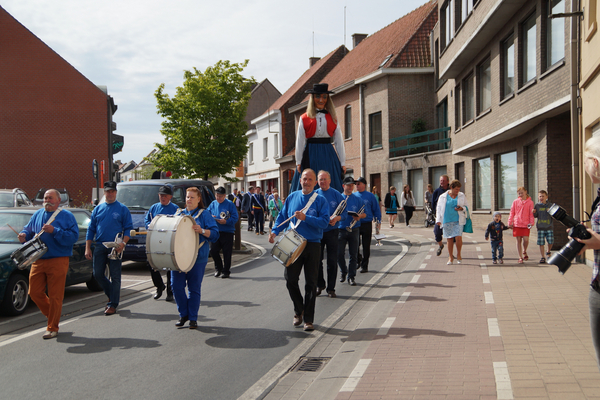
353, 203
215, 209
60, 242
206, 221
317, 216
107, 221
334, 198
159, 209
372, 208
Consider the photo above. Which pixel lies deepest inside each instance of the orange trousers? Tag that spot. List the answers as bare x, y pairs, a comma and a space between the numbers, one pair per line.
51, 272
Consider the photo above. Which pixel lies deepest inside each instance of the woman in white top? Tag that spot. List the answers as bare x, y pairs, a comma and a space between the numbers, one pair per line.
408, 203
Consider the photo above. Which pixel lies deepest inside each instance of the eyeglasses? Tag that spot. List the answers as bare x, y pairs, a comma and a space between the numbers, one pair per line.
320, 96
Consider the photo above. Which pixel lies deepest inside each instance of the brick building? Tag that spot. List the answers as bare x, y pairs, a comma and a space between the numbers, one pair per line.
503, 77
53, 120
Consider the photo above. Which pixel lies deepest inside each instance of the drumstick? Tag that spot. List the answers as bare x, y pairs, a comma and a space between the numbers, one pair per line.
13, 229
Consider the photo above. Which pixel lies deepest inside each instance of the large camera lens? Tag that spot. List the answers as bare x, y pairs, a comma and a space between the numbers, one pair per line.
563, 258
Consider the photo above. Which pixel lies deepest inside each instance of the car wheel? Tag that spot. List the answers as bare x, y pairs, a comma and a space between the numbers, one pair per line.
16, 296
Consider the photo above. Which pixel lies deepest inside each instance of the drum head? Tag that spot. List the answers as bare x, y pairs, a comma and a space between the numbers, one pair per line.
185, 246
297, 253
172, 243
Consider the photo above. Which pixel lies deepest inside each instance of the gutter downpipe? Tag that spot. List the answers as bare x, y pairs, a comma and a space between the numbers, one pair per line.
361, 100
575, 148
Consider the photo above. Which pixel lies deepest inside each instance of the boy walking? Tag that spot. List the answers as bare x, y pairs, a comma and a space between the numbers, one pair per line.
494, 230
544, 225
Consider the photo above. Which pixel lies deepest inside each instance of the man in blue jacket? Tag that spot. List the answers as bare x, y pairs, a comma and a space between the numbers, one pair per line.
311, 216
226, 232
373, 211
108, 219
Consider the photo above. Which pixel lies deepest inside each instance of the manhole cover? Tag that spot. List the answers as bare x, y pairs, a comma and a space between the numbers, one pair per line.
310, 364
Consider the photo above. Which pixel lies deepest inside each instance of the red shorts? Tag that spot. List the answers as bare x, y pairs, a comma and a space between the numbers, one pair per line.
520, 232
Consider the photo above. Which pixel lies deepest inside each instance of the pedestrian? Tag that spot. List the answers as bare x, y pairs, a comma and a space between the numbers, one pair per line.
247, 207
544, 225
592, 168
226, 216
258, 209
521, 220
275, 206
318, 133
350, 233
109, 219
189, 304
311, 213
494, 231
391, 205
437, 228
60, 232
452, 214
428, 196
373, 212
163, 207
408, 203
330, 234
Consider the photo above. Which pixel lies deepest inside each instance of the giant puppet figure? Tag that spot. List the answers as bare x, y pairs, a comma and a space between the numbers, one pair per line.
318, 129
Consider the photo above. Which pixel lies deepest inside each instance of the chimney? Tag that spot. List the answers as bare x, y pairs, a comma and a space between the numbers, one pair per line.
312, 61
357, 38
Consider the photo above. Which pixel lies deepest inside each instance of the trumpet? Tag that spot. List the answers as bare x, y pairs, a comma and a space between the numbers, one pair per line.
225, 215
113, 254
349, 227
339, 210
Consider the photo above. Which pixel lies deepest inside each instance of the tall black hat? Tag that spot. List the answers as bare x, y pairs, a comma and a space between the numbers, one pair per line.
319, 88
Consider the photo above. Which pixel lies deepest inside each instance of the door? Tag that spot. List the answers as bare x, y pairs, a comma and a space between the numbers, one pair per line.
459, 173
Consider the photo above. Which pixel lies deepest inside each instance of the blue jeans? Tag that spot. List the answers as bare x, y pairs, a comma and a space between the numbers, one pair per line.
112, 286
498, 246
188, 304
351, 238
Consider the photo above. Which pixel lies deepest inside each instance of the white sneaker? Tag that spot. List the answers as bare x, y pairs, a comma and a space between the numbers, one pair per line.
50, 334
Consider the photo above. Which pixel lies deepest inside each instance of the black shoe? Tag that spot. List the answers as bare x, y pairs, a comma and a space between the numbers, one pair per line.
319, 290
225, 276
363, 270
182, 321
159, 292
217, 273
193, 325
439, 250
169, 296
343, 278
351, 282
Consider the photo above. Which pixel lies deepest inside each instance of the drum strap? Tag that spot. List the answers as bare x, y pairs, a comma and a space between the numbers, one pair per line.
310, 201
50, 220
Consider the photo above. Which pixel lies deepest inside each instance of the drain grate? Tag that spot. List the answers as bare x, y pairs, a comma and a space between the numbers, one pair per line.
310, 364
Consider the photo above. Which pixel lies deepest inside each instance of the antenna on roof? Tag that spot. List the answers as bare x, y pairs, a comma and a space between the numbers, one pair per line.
344, 26
313, 43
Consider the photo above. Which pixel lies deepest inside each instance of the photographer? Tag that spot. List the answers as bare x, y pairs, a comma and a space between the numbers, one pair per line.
592, 167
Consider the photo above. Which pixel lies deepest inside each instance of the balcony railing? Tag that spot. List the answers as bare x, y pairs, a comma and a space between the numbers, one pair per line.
422, 142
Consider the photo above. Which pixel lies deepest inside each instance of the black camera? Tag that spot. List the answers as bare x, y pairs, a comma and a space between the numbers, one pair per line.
564, 257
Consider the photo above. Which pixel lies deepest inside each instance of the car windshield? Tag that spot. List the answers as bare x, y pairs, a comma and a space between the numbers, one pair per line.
15, 221
138, 196
6, 200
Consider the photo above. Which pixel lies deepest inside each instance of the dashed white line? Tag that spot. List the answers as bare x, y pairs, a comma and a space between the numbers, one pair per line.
415, 279
486, 278
478, 248
404, 297
427, 257
483, 265
493, 327
356, 374
489, 297
503, 385
475, 241
385, 327
480, 257
423, 266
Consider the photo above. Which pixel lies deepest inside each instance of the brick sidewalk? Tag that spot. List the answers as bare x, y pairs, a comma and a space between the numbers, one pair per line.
483, 331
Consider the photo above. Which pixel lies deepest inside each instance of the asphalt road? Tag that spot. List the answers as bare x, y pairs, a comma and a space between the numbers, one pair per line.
245, 330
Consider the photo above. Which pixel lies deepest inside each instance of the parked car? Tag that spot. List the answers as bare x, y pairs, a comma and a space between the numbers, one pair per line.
14, 198
139, 196
14, 283
65, 200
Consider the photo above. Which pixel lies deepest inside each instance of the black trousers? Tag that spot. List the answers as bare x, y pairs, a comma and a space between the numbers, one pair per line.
225, 243
408, 211
366, 230
250, 219
157, 279
259, 219
330, 239
309, 260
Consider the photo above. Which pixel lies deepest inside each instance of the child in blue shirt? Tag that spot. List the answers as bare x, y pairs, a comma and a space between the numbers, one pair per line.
494, 230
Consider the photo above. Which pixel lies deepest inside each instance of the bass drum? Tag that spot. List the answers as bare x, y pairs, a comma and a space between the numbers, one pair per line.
172, 243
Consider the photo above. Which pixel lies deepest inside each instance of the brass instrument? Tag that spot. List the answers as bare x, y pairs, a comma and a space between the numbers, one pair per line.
339, 210
113, 254
349, 227
225, 215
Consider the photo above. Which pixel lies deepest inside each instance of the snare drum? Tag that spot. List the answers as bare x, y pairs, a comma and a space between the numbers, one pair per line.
172, 243
29, 253
288, 247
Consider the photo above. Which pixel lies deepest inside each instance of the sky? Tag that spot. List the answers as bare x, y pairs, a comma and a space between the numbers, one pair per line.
132, 46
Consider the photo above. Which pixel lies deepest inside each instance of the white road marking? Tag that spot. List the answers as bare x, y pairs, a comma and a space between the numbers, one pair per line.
385, 327
415, 279
486, 278
404, 297
493, 327
355, 376
503, 385
423, 266
489, 297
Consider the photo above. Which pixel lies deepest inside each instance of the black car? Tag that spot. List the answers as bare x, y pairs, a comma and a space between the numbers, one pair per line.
14, 198
14, 283
139, 196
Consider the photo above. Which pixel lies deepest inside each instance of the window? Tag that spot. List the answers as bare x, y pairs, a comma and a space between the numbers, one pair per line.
251, 154
397, 181
484, 72
466, 8
508, 67
275, 146
507, 179
375, 130
532, 170
415, 179
528, 64
483, 184
468, 97
447, 28
442, 122
434, 175
265, 148
457, 113
555, 39
348, 122
592, 26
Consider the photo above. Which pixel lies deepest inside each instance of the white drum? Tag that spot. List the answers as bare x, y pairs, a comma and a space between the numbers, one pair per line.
29, 253
172, 243
288, 247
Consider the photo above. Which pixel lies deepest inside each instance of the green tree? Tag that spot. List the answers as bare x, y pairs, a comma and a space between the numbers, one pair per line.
204, 127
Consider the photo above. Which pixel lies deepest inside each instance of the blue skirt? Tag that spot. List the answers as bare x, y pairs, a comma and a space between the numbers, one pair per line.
322, 156
452, 229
